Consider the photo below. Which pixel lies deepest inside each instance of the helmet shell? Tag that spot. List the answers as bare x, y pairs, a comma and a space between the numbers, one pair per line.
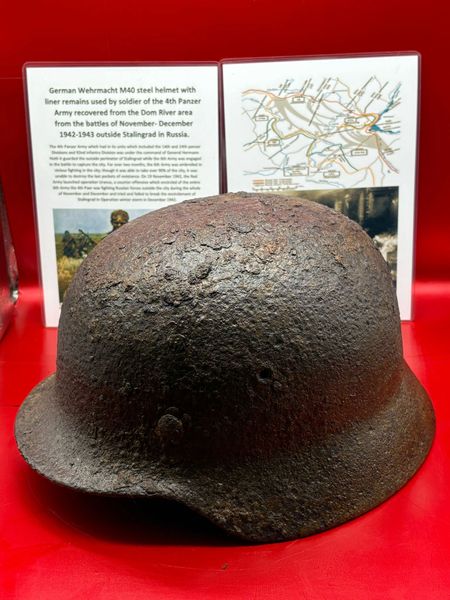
240, 354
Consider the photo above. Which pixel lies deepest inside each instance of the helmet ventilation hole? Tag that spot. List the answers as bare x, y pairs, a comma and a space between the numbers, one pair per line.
265, 374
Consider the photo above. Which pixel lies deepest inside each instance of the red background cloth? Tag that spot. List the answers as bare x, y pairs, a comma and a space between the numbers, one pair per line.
57, 545
202, 30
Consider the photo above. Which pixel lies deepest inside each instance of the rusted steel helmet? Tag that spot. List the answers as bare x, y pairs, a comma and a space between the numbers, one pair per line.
240, 354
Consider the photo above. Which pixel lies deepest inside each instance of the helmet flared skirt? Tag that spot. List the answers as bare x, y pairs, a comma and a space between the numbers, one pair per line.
291, 494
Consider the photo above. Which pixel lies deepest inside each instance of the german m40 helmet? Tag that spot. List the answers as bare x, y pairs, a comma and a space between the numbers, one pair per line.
240, 354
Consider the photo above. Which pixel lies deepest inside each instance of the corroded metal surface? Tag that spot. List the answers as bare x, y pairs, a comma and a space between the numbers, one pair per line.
240, 354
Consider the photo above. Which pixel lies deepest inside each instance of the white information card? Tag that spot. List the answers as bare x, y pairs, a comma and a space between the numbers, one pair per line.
110, 143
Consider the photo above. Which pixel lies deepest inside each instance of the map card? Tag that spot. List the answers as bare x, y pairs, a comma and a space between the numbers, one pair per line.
340, 131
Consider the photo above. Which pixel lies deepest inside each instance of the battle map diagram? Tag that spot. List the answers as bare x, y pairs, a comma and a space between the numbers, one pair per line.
323, 133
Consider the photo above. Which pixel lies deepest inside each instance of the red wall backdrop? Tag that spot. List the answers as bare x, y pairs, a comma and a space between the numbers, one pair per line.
46, 30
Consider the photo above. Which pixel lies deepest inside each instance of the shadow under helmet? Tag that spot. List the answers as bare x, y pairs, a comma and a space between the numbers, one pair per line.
240, 354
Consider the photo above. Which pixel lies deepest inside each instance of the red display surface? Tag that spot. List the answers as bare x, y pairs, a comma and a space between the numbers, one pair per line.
56, 544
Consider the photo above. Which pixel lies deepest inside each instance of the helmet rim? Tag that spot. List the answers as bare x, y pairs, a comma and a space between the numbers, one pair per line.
293, 495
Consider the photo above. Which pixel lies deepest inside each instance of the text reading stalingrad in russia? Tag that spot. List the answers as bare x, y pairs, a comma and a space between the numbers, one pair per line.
116, 112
